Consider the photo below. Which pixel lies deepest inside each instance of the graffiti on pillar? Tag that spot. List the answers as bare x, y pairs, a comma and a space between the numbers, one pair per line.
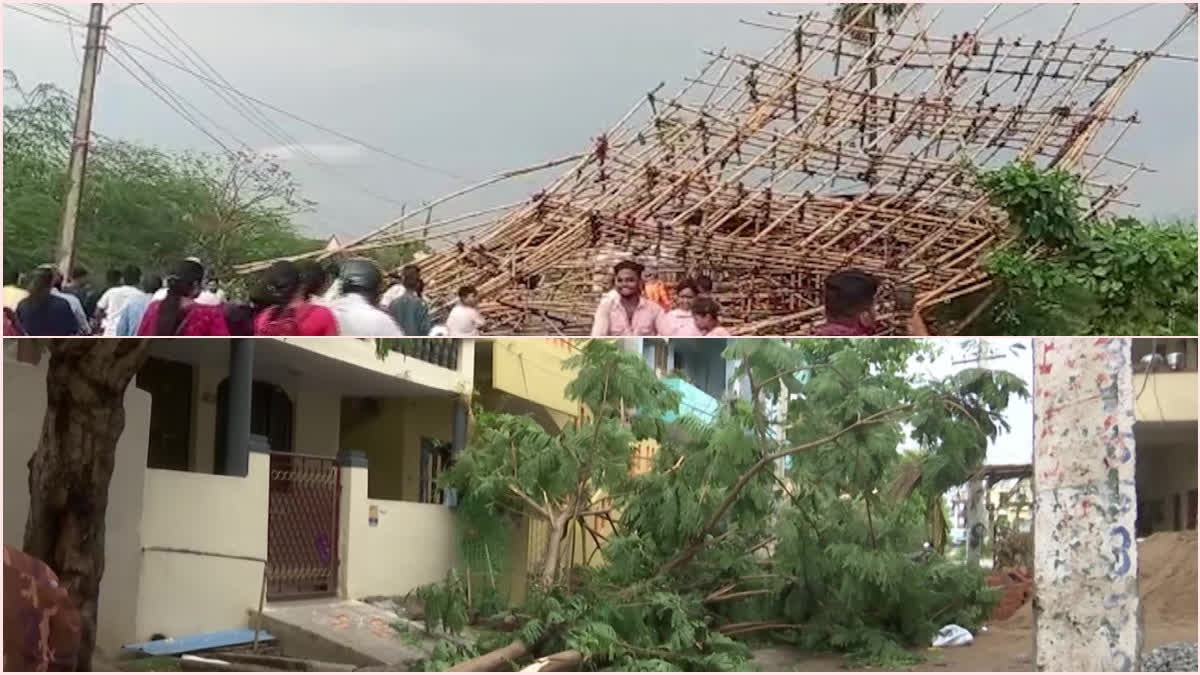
1123, 661
1121, 550
1085, 505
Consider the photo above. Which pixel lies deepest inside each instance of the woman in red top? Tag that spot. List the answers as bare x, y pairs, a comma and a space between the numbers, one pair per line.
290, 312
179, 313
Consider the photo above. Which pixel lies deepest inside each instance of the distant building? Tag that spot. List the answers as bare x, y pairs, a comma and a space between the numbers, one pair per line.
1164, 386
334, 244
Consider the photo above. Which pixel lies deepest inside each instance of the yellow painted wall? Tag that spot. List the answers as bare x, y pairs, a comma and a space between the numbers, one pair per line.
361, 353
392, 442
317, 429
532, 369
316, 423
1166, 397
186, 593
412, 545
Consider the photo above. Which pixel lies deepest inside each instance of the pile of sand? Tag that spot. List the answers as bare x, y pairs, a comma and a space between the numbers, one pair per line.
1167, 577
1166, 580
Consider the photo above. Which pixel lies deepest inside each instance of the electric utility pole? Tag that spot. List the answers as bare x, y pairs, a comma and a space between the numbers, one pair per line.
80, 141
977, 497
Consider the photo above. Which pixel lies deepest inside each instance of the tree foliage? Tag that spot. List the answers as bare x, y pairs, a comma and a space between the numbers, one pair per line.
1095, 275
722, 540
141, 205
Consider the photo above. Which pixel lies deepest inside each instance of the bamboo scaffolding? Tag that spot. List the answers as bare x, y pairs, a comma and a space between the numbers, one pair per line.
770, 172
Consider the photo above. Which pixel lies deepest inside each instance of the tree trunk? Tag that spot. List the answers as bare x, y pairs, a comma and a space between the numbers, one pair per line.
550, 558
70, 471
493, 660
558, 662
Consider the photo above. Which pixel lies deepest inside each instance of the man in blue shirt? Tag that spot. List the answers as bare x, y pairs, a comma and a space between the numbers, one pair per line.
135, 306
44, 314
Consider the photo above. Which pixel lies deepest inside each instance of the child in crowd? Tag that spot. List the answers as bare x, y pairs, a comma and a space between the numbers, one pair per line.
464, 318
707, 315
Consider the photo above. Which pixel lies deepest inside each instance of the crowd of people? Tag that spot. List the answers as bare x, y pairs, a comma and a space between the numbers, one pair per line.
637, 306
357, 299
291, 299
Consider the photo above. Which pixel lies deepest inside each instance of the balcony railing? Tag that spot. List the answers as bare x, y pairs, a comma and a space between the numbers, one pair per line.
438, 351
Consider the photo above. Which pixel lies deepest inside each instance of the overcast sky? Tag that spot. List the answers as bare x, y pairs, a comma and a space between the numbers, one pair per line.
475, 89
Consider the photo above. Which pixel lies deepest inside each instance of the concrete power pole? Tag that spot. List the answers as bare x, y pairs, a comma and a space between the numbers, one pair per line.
1086, 607
80, 141
977, 497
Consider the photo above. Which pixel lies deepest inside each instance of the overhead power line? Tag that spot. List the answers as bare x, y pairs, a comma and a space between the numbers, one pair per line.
248, 112
19, 9
316, 125
173, 105
224, 84
1109, 22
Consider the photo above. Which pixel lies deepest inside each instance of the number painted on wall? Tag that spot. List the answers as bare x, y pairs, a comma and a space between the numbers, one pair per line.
1123, 559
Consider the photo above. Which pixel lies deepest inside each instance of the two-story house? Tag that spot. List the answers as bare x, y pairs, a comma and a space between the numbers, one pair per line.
305, 467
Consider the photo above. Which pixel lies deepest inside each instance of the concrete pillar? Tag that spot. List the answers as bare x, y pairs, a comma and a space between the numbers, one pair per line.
1086, 607
354, 524
241, 387
977, 520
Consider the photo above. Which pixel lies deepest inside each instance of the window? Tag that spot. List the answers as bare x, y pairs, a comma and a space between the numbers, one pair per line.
654, 352
271, 415
169, 384
436, 457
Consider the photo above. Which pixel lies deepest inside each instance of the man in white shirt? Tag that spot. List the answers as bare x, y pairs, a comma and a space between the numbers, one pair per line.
465, 319
112, 304
85, 327
394, 290
355, 309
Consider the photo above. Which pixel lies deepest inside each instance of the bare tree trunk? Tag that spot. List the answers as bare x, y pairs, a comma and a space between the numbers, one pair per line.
550, 559
493, 660
557, 662
70, 471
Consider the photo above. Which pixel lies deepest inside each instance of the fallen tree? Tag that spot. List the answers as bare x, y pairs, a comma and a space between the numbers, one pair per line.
750, 524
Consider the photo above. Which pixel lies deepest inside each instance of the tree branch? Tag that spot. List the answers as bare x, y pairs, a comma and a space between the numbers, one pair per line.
542, 511
698, 541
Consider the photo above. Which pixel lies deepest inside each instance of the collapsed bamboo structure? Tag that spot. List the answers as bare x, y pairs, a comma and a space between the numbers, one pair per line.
839, 147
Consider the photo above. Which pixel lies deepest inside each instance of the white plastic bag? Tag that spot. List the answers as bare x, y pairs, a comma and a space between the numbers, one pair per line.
953, 635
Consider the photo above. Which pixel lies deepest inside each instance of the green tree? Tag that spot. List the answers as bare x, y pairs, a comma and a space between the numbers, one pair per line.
514, 464
141, 205
725, 539
1094, 275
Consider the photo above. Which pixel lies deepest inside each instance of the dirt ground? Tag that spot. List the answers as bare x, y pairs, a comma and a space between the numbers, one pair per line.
1001, 649
1167, 583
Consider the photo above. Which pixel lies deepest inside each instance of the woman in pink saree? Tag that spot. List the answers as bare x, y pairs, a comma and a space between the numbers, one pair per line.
179, 314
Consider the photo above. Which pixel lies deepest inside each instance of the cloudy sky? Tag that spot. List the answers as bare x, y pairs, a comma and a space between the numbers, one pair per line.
464, 91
